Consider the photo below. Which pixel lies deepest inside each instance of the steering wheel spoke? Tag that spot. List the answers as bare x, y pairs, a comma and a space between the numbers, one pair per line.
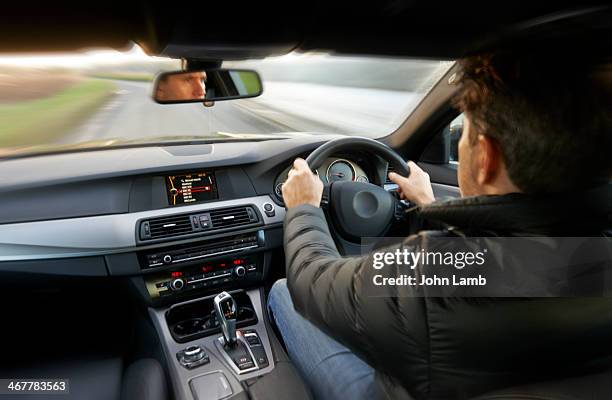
325, 197
401, 210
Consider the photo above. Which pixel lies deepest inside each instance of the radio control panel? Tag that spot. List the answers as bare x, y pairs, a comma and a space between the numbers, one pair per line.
199, 252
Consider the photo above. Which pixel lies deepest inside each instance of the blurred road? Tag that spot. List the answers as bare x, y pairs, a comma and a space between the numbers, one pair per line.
131, 114
308, 107
284, 107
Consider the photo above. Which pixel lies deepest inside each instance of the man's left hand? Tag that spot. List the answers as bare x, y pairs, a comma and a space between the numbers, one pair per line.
302, 186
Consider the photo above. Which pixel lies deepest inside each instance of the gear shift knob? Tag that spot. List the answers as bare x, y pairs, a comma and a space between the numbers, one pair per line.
225, 307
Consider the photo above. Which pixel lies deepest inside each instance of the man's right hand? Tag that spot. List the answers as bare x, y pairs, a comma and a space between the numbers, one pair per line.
416, 188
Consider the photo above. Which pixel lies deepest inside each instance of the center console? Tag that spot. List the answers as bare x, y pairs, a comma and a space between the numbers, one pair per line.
178, 272
204, 251
215, 344
195, 319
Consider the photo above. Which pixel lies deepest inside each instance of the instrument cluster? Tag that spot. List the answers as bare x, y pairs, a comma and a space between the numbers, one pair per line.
334, 169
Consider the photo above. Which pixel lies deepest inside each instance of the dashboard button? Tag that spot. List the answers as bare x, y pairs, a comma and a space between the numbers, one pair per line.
269, 209
239, 271
177, 284
260, 355
192, 356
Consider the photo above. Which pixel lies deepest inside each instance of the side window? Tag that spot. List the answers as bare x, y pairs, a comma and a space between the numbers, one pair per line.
443, 148
440, 158
455, 128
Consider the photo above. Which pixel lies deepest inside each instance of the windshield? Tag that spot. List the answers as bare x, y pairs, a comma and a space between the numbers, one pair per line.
103, 98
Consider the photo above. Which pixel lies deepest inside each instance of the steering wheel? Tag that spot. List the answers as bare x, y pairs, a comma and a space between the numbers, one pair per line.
359, 209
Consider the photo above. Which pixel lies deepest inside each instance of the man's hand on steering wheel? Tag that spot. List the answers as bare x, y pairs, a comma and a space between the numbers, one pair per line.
302, 186
416, 188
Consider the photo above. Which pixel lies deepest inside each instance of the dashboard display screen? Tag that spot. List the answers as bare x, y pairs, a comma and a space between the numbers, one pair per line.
191, 188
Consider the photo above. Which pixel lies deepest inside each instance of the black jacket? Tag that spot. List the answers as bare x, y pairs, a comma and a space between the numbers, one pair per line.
452, 347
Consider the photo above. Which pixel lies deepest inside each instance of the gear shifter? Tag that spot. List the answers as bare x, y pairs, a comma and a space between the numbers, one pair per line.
227, 312
234, 346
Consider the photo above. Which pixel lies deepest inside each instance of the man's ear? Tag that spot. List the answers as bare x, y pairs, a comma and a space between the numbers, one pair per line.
489, 159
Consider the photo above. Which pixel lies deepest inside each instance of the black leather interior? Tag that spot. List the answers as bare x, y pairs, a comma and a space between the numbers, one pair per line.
595, 387
144, 380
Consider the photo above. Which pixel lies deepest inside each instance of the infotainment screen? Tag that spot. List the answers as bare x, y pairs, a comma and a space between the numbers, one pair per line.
191, 188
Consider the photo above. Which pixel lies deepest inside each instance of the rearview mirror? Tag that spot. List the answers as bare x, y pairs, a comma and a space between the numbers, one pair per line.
206, 86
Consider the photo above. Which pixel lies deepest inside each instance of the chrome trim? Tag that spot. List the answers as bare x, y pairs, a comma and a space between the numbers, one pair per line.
346, 161
227, 325
207, 255
102, 234
196, 350
210, 277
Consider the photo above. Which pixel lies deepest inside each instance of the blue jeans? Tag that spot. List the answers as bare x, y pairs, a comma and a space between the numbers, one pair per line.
331, 370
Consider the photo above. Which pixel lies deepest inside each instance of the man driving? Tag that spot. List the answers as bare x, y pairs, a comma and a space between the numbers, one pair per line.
533, 160
181, 86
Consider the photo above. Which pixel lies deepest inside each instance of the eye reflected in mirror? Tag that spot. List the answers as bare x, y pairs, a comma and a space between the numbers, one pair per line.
206, 86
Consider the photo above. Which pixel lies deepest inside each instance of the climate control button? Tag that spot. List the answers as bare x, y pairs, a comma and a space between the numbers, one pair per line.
239, 271
177, 284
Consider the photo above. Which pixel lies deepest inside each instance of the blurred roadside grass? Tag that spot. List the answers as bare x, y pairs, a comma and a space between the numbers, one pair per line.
251, 83
45, 120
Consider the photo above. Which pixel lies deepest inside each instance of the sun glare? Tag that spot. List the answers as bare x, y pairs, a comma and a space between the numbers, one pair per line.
77, 59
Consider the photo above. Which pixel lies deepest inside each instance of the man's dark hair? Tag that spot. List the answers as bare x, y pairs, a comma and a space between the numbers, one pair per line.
550, 114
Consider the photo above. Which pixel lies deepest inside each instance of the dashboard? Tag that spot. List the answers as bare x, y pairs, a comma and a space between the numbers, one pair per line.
178, 220
184, 219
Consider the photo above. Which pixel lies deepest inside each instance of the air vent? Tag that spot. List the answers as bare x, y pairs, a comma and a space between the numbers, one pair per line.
389, 169
170, 226
234, 216
201, 222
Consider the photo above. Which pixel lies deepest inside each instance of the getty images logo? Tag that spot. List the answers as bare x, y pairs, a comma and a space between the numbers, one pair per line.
456, 259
